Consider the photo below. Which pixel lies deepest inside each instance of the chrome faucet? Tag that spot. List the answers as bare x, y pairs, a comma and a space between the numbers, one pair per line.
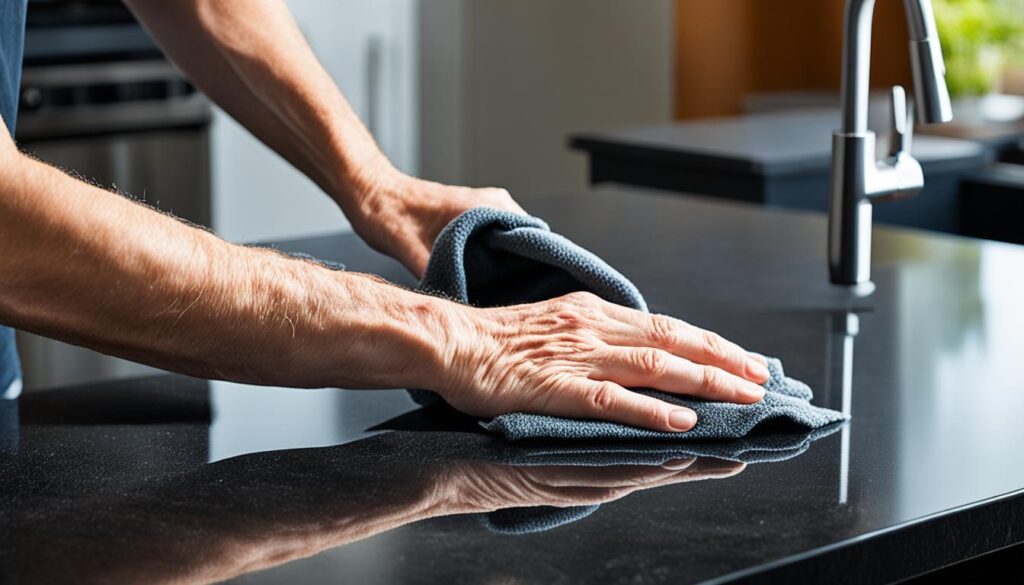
858, 179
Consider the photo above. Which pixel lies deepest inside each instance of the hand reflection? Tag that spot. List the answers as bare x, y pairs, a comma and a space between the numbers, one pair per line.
252, 512
477, 486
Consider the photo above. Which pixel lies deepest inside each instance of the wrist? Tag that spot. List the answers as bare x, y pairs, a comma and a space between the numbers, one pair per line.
385, 336
471, 357
372, 188
382, 205
457, 338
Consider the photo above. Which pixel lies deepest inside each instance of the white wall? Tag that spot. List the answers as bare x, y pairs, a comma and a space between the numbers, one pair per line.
256, 194
504, 82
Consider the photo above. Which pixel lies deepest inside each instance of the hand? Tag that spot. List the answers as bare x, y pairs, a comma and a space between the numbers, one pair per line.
575, 355
403, 217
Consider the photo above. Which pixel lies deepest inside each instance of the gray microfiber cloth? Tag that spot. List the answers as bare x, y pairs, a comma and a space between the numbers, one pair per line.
486, 257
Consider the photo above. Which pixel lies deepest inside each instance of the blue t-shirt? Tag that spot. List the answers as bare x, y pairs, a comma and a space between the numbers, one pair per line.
12, 44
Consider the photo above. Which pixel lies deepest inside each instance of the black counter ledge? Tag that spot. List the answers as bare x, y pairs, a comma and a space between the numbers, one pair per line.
780, 159
169, 478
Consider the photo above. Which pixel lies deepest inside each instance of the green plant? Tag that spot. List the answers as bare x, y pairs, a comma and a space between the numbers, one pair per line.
977, 37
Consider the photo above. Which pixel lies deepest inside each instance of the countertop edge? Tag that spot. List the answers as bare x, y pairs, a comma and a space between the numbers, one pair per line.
902, 551
608, 146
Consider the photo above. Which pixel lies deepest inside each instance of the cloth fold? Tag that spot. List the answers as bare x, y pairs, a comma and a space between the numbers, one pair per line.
486, 257
489, 258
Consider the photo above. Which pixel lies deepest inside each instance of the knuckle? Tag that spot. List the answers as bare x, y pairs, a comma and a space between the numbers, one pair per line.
604, 399
714, 345
650, 363
567, 319
664, 331
564, 312
562, 304
583, 299
711, 379
576, 311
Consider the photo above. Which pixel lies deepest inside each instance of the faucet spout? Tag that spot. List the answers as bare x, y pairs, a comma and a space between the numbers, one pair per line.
858, 179
930, 92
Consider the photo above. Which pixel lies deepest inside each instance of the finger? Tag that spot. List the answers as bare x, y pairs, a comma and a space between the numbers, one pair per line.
679, 464
417, 264
514, 207
718, 470
659, 369
584, 496
613, 477
593, 486
710, 468
685, 340
414, 256
611, 402
502, 199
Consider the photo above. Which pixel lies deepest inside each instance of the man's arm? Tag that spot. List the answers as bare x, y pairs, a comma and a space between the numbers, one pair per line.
250, 57
90, 267
87, 266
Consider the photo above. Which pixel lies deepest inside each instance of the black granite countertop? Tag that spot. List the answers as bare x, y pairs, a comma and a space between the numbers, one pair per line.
176, 479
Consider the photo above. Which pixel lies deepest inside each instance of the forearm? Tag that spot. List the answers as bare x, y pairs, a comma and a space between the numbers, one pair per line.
89, 267
251, 59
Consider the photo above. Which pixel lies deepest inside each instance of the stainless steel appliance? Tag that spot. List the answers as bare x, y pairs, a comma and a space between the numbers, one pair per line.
99, 100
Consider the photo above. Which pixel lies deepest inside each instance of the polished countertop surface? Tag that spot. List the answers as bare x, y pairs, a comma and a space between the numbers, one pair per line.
177, 479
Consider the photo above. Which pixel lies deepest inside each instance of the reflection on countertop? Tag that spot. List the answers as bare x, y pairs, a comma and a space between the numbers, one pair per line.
128, 497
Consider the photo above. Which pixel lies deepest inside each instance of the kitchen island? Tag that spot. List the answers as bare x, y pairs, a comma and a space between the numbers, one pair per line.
779, 159
173, 478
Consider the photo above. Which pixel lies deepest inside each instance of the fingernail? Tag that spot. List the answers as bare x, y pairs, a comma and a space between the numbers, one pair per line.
753, 392
678, 464
682, 419
758, 358
756, 370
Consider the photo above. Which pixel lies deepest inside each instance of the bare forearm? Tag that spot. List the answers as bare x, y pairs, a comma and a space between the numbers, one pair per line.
89, 267
250, 57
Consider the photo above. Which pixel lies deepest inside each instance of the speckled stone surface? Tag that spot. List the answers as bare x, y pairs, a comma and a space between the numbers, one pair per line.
114, 483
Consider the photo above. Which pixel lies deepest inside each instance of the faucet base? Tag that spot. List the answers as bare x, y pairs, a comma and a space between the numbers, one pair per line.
859, 290
849, 211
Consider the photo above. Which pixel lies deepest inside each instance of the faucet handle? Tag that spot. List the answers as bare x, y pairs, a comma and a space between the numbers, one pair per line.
901, 124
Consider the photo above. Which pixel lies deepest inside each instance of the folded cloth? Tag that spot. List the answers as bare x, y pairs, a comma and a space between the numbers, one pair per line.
491, 258
486, 257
